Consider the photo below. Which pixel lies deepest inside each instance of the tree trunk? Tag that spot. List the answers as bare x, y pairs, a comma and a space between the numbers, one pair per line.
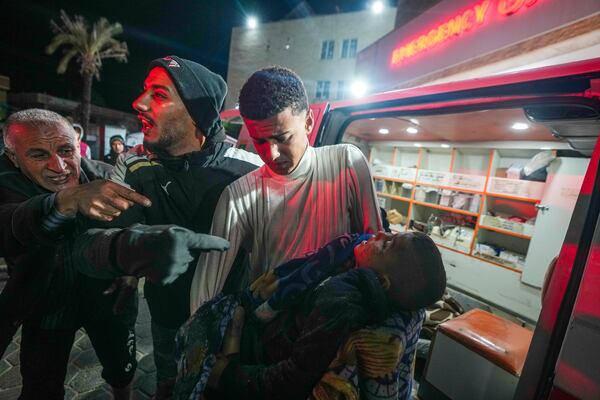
86, 102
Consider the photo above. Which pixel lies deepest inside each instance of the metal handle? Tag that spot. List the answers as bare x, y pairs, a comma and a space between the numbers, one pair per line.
542, 207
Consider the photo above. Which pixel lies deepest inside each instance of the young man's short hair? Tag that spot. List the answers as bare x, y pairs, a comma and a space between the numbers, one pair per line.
271, 90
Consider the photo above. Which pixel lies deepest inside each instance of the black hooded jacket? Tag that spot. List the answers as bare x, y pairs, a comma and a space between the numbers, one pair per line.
184, 190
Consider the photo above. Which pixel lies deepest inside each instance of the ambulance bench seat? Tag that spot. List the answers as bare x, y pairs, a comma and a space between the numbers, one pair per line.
476, 356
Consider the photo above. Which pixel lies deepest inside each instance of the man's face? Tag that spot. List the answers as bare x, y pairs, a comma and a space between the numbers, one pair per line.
282, 139
165, 120
117, 146
48, 156
380, 250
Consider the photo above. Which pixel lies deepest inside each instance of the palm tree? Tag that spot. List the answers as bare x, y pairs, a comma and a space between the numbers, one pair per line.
88, 47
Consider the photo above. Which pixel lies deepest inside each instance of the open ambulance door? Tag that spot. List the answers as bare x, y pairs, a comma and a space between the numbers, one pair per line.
452, 160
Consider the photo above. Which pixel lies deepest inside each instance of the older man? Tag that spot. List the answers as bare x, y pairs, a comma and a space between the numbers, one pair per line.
43, 185
44, 292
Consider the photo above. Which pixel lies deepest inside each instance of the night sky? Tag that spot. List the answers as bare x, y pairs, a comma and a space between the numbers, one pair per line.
196, 29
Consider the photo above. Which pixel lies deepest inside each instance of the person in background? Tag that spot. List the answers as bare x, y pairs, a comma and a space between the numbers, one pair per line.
84, 149
117, 147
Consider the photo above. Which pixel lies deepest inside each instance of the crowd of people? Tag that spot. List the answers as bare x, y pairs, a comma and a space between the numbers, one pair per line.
267, 275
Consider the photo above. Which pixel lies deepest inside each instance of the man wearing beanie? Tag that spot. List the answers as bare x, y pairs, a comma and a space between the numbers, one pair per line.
117, 147
182, 167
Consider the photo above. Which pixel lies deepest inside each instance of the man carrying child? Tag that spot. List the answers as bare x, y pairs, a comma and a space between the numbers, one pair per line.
303, 313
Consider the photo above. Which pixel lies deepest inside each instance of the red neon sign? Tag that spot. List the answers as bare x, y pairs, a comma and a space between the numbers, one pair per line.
471, 18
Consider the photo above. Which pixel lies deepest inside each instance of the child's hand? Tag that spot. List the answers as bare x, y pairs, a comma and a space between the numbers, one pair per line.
264, 286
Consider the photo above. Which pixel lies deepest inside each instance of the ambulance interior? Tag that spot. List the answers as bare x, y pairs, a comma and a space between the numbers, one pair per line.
495, 188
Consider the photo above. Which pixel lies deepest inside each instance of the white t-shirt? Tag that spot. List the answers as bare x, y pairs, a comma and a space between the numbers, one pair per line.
280, 217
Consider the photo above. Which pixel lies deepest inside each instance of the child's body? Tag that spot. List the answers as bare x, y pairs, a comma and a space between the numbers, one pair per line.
322, 299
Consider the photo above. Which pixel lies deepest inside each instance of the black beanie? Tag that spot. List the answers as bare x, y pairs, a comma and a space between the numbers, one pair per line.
114, 138
201, 90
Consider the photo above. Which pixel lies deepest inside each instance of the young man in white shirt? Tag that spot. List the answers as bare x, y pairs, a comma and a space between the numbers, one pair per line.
302, 198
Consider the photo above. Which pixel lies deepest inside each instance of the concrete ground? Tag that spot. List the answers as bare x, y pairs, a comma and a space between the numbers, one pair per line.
83, 374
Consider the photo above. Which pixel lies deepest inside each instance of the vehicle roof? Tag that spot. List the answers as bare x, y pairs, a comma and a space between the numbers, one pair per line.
589, 68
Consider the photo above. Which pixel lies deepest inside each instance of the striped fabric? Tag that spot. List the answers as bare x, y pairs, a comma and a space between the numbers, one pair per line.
281, 217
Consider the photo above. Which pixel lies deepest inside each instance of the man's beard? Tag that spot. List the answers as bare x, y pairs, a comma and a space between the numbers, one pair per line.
169, 136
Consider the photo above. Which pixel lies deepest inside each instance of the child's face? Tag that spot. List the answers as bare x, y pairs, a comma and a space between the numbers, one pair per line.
392, 256
379, 250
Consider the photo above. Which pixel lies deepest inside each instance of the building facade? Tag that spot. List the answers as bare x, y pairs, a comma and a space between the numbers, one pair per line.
321, 49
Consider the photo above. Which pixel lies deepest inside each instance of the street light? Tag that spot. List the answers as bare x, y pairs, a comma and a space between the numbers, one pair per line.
252, 22
377, 7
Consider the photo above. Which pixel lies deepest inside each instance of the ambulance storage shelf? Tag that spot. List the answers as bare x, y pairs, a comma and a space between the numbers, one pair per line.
463, 198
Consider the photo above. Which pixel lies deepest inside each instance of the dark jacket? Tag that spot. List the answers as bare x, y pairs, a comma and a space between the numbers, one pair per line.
111, 158
299, 346
184, 191
30, 242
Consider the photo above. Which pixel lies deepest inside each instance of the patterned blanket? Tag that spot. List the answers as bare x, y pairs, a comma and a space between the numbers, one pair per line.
375, 362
